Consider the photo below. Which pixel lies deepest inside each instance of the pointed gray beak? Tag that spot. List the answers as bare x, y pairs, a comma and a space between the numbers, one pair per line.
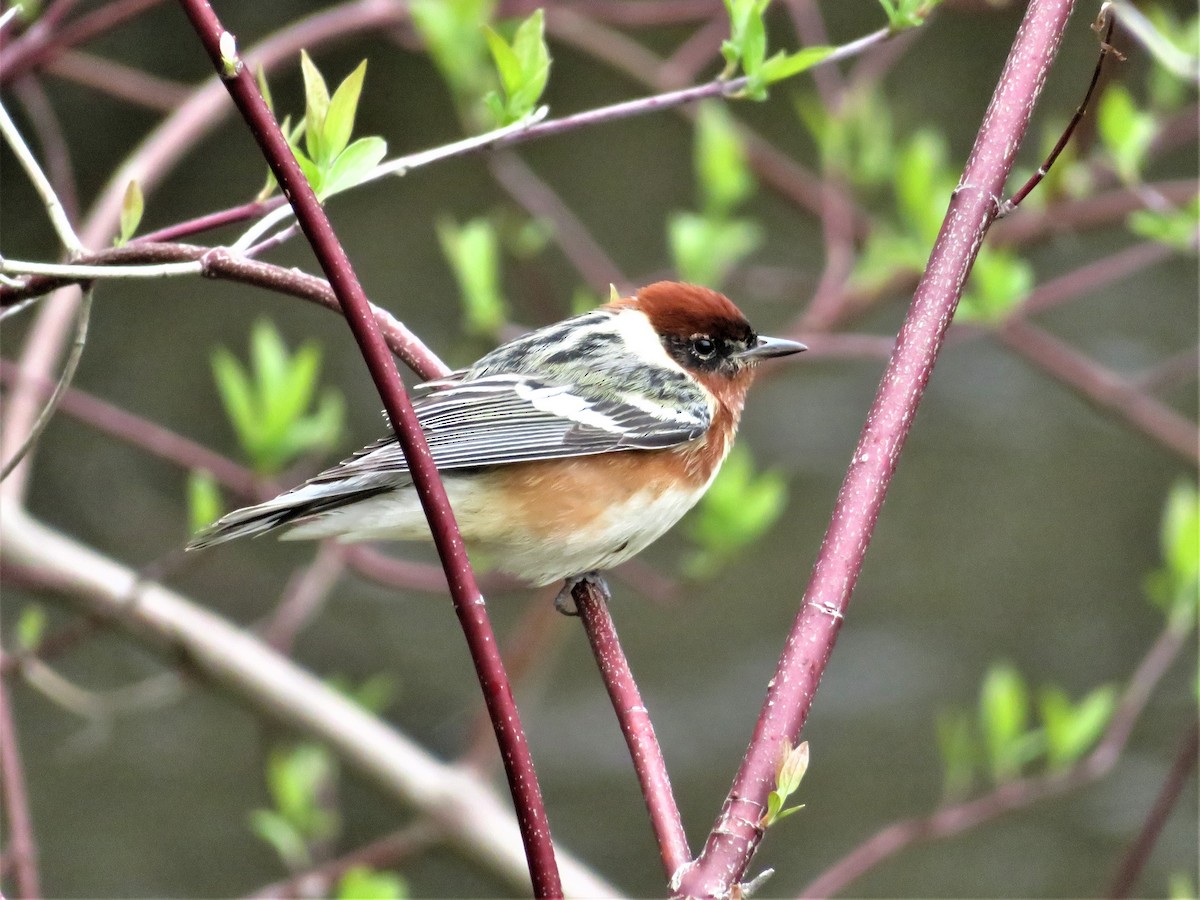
769, 347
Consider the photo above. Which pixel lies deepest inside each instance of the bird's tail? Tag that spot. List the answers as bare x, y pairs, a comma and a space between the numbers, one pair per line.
301, 504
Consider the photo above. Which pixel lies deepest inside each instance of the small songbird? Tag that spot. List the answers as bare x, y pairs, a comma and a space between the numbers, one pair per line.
564, 452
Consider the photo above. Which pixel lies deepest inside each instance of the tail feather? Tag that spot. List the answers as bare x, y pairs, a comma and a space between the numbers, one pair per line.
295, 506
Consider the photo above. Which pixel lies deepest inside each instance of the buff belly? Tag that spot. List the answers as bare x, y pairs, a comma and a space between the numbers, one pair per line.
540, 521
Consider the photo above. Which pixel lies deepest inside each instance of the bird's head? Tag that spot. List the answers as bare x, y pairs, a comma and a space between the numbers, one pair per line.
704, 332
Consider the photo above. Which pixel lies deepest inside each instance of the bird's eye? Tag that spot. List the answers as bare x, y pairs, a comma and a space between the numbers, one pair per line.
703, 346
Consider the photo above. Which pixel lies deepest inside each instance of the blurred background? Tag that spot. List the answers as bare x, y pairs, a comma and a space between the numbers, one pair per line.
1021, 527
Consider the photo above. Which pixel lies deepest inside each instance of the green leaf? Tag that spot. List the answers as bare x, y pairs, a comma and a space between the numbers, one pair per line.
704, 250
365, 883
316, 106
923, 185
31, 627
268, 410
738, 508
279, 833
132, 206
721, 169
1175, 586
1181, 887
296, 778
956, 744
203, 500
237, 396
1071, 730
785, 65
524, 67
353, 165
1175, 227
1126, 131
451, 32
793, 763
1000, 282
473, 251
260, 76
905, 14
339, 119
1003, 719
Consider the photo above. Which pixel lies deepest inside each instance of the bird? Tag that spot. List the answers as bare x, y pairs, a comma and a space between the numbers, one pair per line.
564, 452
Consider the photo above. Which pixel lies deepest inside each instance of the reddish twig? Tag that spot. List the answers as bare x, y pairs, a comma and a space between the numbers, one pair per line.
21, 842
150, 436
1105, 21
1092, 211
118, 80
303, 597
32, 53
1139, 851
737, 832
468, 601
220, 263
55, 150
591, 600
383, 853
957, 818
1103, 388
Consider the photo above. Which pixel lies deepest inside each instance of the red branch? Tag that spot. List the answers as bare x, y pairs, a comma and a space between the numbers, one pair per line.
468, 601
737, 833
592, 602
22, 847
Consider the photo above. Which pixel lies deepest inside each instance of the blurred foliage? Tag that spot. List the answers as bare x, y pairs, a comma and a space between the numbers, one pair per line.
366, 883
473, 251
739, 508
268, 405
298, 779
707, 245
203, 500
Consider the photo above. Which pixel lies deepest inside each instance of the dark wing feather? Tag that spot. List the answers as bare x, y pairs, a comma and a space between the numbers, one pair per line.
498, 419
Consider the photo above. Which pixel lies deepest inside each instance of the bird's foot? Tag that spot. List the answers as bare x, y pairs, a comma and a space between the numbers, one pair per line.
565, 601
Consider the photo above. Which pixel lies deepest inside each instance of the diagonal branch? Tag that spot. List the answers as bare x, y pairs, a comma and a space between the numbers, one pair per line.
737, 832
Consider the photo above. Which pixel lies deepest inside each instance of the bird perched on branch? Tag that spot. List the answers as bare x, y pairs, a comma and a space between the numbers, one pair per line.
564, 452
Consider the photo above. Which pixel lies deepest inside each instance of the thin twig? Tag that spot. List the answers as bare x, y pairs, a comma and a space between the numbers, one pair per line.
957, 818
75, 353
1103, 388
54, 208
592, 603
21, 840
1139, 851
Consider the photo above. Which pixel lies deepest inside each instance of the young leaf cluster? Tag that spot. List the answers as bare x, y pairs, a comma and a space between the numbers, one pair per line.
297, 778
1174, 586
330, 161
524, 67
922, 184
707, 245
460, 41
740, 506
269, 405
1001, 738
366, 883
793, 763
473, 251
746, 49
